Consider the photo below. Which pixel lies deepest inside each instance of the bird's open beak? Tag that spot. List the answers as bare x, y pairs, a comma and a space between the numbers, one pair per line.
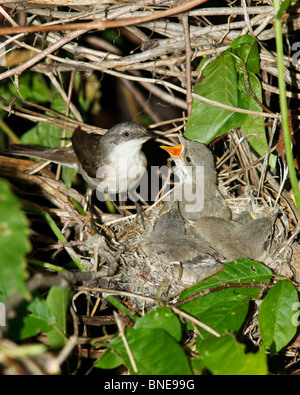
174, 151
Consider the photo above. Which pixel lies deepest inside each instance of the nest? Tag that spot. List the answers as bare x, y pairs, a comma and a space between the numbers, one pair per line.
153, 277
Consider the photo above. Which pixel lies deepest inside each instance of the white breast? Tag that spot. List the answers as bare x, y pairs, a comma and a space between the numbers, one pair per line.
125, 166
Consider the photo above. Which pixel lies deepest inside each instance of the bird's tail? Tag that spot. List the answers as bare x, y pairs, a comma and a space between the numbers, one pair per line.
63, 156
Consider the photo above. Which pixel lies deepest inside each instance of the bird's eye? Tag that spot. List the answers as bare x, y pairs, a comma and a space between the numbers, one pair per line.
188, 159
126, 134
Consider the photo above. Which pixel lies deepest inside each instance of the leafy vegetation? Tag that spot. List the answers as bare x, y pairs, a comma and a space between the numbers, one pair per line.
230, 79
224, 309
156, 341
14, 244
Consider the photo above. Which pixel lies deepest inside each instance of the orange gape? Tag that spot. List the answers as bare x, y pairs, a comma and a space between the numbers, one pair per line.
174, 151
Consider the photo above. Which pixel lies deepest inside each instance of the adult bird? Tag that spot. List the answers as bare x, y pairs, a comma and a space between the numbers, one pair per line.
111, 163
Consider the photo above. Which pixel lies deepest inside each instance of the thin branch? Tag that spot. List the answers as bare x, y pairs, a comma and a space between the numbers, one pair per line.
195, 321
188, 56
31, 62
105, 24
123, 337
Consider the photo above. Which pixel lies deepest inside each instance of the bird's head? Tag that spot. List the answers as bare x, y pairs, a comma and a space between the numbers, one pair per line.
190, 154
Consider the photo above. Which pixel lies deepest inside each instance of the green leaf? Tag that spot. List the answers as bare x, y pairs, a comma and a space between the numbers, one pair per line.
223, 311
223, 81
254, 125
277, 315
59, 104
31, 87
57, 302
48, 135
226, 310
154, 351
67, 175
162, 318
109, 360
32, 319
40, 91
197, 365
240, 271
225, 356
14, 244
219, 83
44, 134
39, 320
31, 326
283, 7
25, 324
245, 47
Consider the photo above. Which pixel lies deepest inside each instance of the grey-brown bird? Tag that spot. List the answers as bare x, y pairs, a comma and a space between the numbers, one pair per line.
243, 238
204, 240
197, 192
195, 196
112, 163
234, 240
192, 258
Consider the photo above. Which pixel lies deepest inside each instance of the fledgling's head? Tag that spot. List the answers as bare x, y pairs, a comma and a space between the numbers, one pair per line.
192, 154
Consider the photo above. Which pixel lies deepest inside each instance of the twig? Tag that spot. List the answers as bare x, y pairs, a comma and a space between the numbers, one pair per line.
169, 85
247, 19
105, 24
75, 258
29, 63
67, 98
188, 55
68, 347
8, 17
122, 333
68, 104
152, 301
195, 321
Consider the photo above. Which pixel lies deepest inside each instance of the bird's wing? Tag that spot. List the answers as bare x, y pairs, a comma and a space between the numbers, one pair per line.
87, 149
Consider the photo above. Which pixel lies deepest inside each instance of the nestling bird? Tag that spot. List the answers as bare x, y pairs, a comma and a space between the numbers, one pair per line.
206, 238
192, 259
196, 195
112, 163
233, 239
198, 192
243, 238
